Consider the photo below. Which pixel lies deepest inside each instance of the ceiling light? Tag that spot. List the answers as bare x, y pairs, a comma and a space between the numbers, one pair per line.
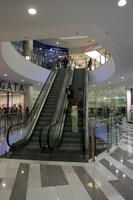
122, 3
109, 82
122, 77
4, 184
22, 80
73, 37
5, 74
32, 11
57, 43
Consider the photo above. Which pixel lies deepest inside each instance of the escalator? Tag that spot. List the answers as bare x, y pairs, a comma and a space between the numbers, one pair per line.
28, 146
73, 141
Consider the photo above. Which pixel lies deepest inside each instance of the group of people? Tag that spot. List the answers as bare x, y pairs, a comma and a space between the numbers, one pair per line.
75, 107
14, 110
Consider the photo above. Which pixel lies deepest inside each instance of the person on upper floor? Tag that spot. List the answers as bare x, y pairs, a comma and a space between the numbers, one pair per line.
90, 64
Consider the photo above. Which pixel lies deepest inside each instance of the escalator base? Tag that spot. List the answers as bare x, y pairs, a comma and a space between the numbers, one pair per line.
34, 154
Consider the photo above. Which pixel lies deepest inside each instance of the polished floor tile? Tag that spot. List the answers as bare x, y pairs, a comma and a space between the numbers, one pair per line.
20, 186
91, 186
52, 175
110, 177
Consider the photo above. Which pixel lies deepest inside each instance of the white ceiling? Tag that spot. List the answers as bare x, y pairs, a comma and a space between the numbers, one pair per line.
104, 21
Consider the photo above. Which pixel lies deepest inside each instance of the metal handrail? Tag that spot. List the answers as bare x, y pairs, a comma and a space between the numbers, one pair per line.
107, 121
105, 53
86, 117
26, 121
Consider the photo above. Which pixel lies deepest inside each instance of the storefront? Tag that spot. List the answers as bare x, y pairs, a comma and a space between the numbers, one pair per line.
11, 93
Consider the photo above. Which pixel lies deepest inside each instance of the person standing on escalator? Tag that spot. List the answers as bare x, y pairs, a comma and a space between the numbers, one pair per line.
74, 116
69, 92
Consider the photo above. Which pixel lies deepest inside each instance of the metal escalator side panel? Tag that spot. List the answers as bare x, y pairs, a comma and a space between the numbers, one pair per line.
19, 133
50, 108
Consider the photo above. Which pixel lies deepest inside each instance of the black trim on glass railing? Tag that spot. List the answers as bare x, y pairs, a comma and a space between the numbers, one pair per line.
26, 120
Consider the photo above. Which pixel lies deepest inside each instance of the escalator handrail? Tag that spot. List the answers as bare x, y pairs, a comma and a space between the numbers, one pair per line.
64, 100
54, 121
26, 120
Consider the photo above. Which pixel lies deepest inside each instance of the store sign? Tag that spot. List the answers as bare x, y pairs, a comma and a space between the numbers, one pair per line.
11, 86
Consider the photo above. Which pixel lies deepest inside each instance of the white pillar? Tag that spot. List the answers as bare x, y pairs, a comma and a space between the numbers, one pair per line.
129, 105
28, 96
27, 48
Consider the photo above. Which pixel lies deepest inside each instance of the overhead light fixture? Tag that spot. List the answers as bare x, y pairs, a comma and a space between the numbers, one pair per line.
122, 77
73, 37
4, 184
109, 82
122, 3
32, 11
5, 74
96, 55
57, 42
22, 80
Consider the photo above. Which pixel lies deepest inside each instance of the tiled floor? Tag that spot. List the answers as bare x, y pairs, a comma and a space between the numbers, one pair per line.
110, 177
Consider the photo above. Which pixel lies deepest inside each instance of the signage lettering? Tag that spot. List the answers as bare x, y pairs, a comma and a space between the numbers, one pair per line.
11, 86
2, 85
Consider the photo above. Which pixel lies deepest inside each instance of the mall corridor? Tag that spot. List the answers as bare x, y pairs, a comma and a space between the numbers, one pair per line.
110, 177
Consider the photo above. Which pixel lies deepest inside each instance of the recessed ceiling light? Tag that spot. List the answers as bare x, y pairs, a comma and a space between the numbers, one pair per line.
122, 77
122, 3
57, 43
4, 184
22, 80
5, 74
32, 11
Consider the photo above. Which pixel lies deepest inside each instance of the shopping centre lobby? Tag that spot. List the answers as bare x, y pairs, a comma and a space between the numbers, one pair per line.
66, 100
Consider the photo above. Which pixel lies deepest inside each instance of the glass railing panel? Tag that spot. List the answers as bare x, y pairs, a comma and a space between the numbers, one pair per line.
21, 131
104, 134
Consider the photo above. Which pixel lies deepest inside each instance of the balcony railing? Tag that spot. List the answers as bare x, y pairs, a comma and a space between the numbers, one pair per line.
96, 63
37, 56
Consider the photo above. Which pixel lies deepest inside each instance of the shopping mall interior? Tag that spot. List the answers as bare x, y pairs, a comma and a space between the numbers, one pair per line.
66, 100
